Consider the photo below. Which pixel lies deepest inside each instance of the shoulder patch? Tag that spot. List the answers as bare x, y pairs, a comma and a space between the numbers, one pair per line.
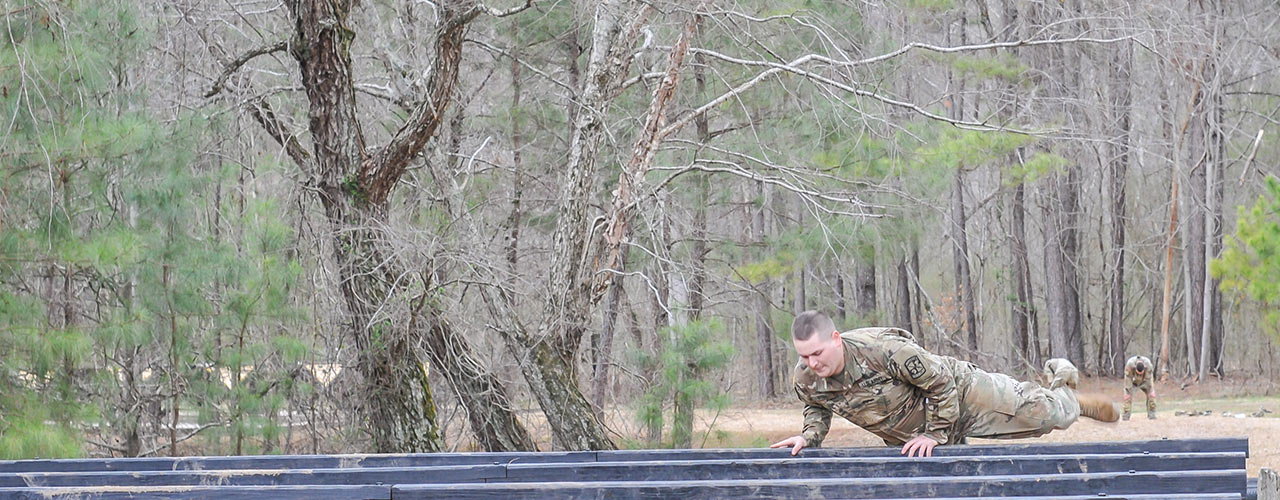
914, 367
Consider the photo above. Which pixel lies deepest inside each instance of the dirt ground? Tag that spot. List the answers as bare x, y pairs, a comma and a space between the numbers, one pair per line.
756, 424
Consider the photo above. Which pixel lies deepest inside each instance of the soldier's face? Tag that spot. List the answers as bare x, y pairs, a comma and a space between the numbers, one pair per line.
824, 354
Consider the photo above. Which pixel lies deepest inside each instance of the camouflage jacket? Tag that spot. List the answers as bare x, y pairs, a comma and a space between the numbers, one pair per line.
1131, 376
890, 386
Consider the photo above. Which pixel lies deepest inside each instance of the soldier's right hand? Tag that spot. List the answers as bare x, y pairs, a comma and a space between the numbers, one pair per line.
795, 442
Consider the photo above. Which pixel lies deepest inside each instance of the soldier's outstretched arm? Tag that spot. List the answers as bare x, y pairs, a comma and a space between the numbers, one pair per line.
817, 423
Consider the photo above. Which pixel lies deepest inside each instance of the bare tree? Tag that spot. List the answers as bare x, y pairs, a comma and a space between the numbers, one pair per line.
1121, 107
354, 183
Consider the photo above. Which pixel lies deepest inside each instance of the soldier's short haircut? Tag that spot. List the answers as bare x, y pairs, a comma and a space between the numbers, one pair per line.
1140, 366
808, 323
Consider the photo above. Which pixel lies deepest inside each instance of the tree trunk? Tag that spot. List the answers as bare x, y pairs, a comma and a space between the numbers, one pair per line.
1215, 164
1060, 275
697, 287
841, 305
764, 327
903, 298
1167, 300
798, 299
489, 410
573, 287
1121, 106
661, 322
1061, 194
1206, 316
959, 231
1027, 346
398, 404
866, 284
1193, 239
1216, 334
517, 143
604, 352
917, 312
960, 256
354, 184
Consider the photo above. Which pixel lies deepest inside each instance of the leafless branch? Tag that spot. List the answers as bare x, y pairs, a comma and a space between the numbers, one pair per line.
1252, 153
795, 67
631, 178
380, 173
734, 169
262, 113
524, 64
240, 61
189, 435
479, 8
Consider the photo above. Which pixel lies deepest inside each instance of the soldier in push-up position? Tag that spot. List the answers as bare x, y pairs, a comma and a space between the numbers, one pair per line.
881, 380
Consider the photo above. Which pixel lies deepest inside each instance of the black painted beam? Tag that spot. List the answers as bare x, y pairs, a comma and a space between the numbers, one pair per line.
442, 459
259, 477
366, 492
1110, 484
290, 461
679, 470
1149, 446
999, 465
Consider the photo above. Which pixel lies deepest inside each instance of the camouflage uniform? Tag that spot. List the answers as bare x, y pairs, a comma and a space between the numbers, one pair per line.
895, 389
1134, 380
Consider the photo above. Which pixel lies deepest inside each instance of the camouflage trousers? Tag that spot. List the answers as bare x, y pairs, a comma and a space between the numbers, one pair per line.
1146, 388
1000, 407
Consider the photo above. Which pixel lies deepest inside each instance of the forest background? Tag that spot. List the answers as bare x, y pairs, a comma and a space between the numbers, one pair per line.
327, 226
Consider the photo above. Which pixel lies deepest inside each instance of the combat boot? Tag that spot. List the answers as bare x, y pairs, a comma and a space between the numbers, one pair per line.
1125, 416
1151, 415
1060, 372
1098, 408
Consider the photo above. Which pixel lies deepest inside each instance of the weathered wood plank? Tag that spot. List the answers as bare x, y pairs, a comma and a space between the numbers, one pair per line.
290, 461
1111, 484
645, 471
363, 492
1158, 496
1149, 446
375, 493
442, 459
258, 477
686, 470
1268, 485
1174, 496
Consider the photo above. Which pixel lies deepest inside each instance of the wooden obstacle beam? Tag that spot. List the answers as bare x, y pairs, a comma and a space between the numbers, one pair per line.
1173, 469
442, 459
674, 470
1112, 483
289, 461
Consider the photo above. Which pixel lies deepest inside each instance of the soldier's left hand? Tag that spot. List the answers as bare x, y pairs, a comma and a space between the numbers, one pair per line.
919, 446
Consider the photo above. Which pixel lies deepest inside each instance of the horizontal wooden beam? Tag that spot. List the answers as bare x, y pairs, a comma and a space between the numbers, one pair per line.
290, 461
259, 477
372, 493
443, 459
870, 467
676, 470
1109, 484
366, 492
1148, 446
